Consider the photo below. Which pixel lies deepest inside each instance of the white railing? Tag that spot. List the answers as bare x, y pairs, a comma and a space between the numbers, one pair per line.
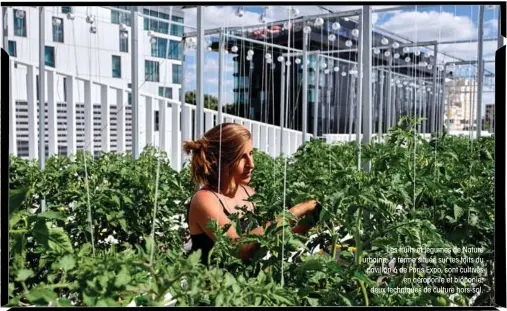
338, 138
266, 137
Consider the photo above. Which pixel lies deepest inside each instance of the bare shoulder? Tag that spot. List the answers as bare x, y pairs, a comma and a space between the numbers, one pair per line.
204, 201
250, 190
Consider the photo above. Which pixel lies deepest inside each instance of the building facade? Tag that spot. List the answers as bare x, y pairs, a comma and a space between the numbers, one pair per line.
93, 43
460, 96
258, 82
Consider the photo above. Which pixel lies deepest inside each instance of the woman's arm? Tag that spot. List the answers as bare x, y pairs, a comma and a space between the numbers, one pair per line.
205, 207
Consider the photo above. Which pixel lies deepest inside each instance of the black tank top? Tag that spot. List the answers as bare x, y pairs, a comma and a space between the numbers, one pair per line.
202, 241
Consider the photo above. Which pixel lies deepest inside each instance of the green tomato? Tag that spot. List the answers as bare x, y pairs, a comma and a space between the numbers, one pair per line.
441, 301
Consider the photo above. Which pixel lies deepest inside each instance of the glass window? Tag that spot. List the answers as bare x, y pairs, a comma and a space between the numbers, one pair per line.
116, 66
156, 25
66, 9
151, 71
64, 89
175, 50
157, 120
19, 23
12, 49
124, 41
49, 56
165, 92
177, 30
159, 47
57, 29
121, 17
177, 74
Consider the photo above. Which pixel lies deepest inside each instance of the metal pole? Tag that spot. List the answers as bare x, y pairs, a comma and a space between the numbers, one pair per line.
352, 82
184, 115
499, 31
305, 86
316, 101
42, 96
381, 103
5, 26
282, 102
434, 88
135, 83
199, 111
389, 95
480, 78
365, 84
221, 54
328, 100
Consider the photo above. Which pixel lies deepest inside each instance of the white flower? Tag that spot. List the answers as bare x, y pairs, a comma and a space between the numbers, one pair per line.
72, 204
36, 196
177, 202
75, 243
168, 301
174, 228
75, 174
53, 226
33, 210
111, 240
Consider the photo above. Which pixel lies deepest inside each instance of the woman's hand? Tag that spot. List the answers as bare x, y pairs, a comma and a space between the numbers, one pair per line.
303, 208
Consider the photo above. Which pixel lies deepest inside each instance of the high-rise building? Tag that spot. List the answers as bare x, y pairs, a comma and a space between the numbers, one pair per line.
93, 43
460, 95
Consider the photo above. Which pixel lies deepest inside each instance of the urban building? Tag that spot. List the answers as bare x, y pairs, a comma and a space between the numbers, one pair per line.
93, 43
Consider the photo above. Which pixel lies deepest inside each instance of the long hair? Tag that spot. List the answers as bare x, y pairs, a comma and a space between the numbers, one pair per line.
206, 152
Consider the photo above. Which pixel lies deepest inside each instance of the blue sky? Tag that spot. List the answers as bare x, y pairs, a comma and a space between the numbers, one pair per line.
447, 22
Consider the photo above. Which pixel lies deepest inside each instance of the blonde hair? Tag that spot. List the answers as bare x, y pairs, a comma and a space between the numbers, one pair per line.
207, 151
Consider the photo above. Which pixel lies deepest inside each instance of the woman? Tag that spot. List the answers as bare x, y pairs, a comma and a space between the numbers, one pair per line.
224, 157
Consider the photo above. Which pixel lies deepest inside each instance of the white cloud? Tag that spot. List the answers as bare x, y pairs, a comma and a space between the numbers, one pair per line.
433, 25
216, 17
427, 26
491, 27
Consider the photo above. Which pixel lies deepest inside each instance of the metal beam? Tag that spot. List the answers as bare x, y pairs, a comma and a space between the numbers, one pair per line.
365, 81
389, 95
282, 47
480, 78
294, 20
221, 55
401, 7
5, 29
201, 47
135, 82
42, 94
282, 100
499, 31
316, 101
305, 86
434, 88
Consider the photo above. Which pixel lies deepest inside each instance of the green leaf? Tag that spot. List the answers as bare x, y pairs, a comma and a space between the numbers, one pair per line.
345, 300
362, 277
314, 302
63, 302
458, 212
219, 300
55, 239
41, 296
16, 198
51, 215
67, 263
194, 258
18, 250
123, 278
24, 274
